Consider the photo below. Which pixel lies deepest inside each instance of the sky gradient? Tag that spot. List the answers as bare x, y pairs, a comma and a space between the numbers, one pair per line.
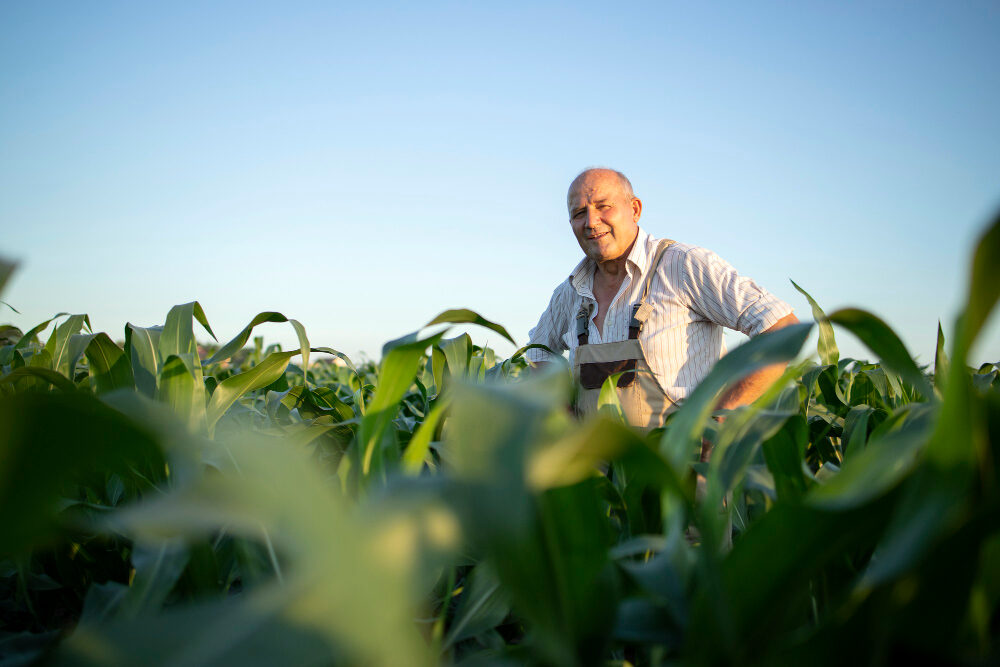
361, 168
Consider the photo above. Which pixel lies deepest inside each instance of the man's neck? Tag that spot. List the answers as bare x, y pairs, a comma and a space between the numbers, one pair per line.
614, 270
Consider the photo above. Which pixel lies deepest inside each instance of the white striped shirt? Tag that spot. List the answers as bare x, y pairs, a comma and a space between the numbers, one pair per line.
693, 295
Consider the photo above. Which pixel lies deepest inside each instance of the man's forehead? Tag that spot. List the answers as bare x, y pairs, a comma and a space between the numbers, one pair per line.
590, 197
594, 187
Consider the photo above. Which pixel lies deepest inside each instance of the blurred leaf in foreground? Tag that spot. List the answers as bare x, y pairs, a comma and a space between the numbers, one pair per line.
315, 612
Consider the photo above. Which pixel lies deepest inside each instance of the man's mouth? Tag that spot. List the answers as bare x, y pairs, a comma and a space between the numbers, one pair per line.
596, 236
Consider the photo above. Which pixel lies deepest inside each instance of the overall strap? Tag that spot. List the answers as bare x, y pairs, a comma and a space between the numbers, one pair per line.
583, 325
640, 311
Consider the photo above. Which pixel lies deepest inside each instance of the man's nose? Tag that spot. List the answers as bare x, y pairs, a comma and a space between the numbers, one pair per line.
592, 217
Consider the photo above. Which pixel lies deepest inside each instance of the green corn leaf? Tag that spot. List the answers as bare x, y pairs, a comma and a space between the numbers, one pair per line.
457, 353
883, 341
48, 375
783, 453
141, 344
419, 447
533, 346
300, 331
438, 361
829, 354
199, 315
34, 331
940, 361
109, 365
158, 566
78, 344
235, 387
482, 606
180, 386
187, 396
7, 353
855, 437
466, 316
608, 402
340, 355
40, 359
580, 453
58, 344
307, 434
237, 343
177, 337
880, 466
396, 374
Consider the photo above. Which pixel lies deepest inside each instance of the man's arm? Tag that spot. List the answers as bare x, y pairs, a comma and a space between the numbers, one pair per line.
550, 327
750, 388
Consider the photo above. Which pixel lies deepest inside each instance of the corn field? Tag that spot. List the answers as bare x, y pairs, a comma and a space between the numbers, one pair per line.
165, 502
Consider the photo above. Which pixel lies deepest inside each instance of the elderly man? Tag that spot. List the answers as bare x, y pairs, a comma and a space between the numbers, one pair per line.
652, 306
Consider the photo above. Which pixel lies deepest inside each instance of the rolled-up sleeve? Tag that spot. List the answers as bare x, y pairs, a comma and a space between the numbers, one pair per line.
720, 294
551, 325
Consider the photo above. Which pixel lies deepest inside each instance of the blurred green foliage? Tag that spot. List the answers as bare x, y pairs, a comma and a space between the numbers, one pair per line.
166, 503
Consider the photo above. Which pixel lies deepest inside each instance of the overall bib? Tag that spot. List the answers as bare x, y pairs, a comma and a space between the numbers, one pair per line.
643, 401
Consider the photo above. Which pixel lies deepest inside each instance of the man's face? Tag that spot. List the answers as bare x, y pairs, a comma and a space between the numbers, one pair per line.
604, 219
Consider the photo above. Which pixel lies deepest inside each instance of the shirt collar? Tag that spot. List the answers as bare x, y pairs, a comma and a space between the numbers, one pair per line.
582, 277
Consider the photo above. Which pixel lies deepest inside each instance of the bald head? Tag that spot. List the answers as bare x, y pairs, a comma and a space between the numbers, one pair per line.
587, 176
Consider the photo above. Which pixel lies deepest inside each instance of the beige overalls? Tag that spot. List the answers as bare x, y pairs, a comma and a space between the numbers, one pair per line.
643, 401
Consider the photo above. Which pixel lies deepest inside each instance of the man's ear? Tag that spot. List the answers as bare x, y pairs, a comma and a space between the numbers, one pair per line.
636, 209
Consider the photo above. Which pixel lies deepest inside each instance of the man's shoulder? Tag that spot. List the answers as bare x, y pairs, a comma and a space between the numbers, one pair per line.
565, 287
681, 248
564, 292
561, 303
678, 251
652, 242
682, 262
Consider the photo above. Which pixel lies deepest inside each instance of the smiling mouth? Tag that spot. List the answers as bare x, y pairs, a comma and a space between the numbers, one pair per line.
597, 236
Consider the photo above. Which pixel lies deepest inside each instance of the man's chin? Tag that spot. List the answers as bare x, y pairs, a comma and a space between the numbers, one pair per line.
603, 256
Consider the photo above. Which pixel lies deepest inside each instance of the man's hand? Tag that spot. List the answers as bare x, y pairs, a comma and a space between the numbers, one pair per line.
752, 386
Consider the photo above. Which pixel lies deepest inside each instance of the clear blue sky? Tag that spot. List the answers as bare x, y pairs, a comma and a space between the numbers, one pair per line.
363, 167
